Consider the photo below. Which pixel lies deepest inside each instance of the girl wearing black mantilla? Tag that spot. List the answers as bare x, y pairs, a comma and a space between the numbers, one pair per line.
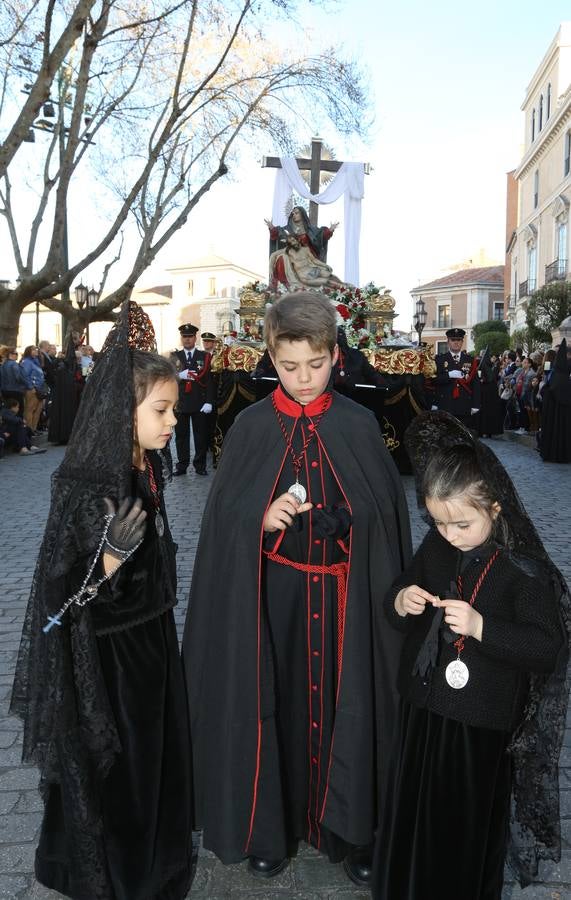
483, 683
98, 681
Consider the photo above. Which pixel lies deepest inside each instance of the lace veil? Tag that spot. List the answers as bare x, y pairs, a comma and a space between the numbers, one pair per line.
69, 729
535, 747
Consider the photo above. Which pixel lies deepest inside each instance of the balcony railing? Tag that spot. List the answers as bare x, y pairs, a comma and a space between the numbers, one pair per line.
556, 271
442, 323
510, 302
526, 287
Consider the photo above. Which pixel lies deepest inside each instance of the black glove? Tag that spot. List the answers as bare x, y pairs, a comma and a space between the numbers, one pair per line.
126, 528
331, 522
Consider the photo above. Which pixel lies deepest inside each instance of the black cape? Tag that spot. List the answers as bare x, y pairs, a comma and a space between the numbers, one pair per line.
226, 652
555, 439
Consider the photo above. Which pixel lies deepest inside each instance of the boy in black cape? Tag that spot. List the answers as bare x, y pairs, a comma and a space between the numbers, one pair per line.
289, 665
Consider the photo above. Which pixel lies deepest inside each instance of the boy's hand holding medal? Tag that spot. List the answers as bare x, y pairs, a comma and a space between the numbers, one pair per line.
282, 511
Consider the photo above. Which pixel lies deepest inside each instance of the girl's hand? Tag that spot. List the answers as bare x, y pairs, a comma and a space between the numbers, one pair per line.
281, 512
412, 600
462, 618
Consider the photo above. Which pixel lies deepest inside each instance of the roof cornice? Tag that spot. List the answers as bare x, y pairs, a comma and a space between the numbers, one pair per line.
548, 136
541, 70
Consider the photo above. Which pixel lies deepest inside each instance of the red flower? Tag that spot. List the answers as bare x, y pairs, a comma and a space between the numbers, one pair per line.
343, 311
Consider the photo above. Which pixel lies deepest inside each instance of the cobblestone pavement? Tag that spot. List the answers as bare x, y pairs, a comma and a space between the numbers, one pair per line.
546, 491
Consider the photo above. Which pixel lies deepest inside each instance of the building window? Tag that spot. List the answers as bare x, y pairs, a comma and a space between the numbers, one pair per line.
443, 316
498, 311
567, 162
536, 189
541, 112
190, 287
531, 267
548, 112
211, 287
533, 125
441, 346
561, 246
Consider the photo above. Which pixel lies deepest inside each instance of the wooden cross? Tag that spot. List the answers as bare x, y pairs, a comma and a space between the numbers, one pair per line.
315, 166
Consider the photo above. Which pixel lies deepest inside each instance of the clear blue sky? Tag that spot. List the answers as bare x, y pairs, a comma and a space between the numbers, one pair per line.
447, 81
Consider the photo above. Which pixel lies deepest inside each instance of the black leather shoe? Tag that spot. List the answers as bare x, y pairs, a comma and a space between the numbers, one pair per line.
266, 868
358, 865
179, 471
201, 471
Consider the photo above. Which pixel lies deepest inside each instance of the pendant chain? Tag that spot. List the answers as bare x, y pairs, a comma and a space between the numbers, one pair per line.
152, 483
459, 644
297, 458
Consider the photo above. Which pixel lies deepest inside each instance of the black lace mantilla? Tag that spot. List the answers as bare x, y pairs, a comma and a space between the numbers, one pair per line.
59, 692
535, 831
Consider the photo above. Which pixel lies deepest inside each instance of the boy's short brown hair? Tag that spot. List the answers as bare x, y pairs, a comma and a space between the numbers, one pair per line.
301, 316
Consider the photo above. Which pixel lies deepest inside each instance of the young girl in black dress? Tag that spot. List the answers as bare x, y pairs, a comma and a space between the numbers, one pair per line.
483, 683
99, 680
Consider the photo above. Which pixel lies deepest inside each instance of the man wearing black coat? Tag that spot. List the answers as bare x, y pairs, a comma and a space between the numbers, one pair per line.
457, 389
195, 401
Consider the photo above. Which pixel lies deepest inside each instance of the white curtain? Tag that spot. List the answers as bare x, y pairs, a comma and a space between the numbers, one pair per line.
350, 181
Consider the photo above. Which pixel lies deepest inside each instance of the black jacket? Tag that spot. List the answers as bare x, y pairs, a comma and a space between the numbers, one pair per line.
192, 395
446, 388
521, 634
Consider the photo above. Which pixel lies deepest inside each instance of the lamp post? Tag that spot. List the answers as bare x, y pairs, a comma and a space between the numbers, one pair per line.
92, 301
83, 297
419, 319
52, 121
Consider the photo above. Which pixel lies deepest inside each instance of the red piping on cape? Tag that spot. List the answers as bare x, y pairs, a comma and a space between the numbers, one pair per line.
259, 726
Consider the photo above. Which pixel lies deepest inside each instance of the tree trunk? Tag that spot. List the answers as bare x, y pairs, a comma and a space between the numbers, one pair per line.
10, 311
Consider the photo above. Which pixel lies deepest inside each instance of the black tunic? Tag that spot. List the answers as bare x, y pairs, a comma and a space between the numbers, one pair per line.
143, 851
284, 689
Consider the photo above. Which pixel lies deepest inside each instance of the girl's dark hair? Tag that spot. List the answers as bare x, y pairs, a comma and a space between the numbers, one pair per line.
28, 351
455, 471
148, 369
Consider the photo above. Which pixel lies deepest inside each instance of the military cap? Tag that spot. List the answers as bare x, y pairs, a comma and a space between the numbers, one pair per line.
456, 334
208, 336
187, 330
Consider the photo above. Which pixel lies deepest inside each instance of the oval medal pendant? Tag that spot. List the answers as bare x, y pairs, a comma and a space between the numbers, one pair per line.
457, 674
159, 525
298, 491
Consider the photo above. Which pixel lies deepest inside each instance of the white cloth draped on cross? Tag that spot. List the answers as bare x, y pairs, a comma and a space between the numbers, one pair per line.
349, 180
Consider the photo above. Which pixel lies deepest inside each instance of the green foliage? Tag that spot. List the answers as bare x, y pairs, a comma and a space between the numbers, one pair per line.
546, 309
495, 341
493, 334
529, 339
491, 325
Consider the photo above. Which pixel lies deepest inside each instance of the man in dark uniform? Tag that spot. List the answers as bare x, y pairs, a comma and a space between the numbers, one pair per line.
195, 401
208, 345
457, 389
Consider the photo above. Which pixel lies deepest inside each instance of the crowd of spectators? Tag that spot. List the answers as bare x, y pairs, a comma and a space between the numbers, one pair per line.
25, 394
521, 381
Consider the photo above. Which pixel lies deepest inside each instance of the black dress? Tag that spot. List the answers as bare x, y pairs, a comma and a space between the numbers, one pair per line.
445, 830
142, 846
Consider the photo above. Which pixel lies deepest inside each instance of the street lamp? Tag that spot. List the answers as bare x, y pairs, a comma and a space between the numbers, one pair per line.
83, 297
419, 319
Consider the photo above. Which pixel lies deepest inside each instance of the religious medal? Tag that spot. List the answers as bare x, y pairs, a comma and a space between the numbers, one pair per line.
298, 491
457, 674
159, 524
342, 373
